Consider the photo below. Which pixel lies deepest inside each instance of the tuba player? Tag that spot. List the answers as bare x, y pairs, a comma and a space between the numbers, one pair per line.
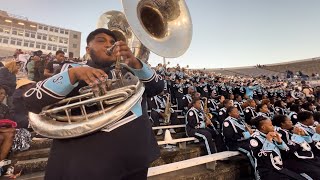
122, 153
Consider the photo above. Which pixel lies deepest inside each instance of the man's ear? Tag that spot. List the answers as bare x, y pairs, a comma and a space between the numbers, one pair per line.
87, 49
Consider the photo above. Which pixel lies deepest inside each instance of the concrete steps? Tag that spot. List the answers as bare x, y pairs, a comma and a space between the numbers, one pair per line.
234, 169
177, 135
39, 143
35, 160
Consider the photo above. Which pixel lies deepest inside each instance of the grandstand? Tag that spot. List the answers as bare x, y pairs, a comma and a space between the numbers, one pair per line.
306, 66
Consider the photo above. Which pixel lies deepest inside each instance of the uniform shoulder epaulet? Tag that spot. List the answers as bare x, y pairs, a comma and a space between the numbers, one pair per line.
295, 116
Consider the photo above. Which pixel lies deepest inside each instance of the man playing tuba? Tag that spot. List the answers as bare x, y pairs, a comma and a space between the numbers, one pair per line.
124, 152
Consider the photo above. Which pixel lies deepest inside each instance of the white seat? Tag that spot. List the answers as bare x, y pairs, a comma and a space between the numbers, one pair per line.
209, 160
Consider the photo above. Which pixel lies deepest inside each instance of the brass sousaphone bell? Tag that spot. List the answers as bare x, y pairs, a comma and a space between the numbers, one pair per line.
161, 26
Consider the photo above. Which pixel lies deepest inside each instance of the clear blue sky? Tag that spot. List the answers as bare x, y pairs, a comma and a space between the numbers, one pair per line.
227, 33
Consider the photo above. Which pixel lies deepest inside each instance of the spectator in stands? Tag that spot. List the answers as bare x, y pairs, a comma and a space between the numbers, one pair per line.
8, 76
19, 110
33, 72
6, 131
39, 67
266, 145
4, 109
54, 66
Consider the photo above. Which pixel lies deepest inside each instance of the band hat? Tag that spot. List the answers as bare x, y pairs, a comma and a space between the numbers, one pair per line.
23, 82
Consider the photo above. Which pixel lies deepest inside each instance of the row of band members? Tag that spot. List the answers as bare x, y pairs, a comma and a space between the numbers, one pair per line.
285, 147
180, 87
217, 105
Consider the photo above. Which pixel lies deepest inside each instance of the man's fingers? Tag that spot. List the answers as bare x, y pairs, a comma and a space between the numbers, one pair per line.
100, 75
95, 76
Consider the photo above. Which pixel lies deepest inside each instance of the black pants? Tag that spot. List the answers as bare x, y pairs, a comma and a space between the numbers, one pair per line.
156, 118
283, 174
208, 135
139, 175
307, 166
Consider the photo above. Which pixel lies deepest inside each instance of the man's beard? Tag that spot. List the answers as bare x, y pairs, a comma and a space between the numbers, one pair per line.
98, 61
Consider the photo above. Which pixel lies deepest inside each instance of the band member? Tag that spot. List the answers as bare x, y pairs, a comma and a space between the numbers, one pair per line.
306, 122
249, 112
186, 100
262, 110
102, 154
223, 111
202, 87
237, 134
238, 104
280, 108
293, 114
178, 91
300, 157
266, 145
198, 126
160, 108
213, 105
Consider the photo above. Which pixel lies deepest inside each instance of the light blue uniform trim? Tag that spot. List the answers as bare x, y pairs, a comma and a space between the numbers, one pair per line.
67, 66
268, 146
137, 109
282, 146
252, 159
60, 84
316, 137
205, 141
297, 139
202, 125
307, 138
246, 135
145, 73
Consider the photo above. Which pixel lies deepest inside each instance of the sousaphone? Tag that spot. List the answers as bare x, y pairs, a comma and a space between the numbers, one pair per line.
161, 26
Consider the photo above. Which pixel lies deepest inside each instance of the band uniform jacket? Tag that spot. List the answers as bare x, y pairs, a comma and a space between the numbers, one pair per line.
194, 120
186, 100
100, 155
238, 105
280, 111
314, 137
235, 133
299, 157
213, 107
157, 103
202, 88
222, 115
268, 157
298, 146
293, 116
249, 113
